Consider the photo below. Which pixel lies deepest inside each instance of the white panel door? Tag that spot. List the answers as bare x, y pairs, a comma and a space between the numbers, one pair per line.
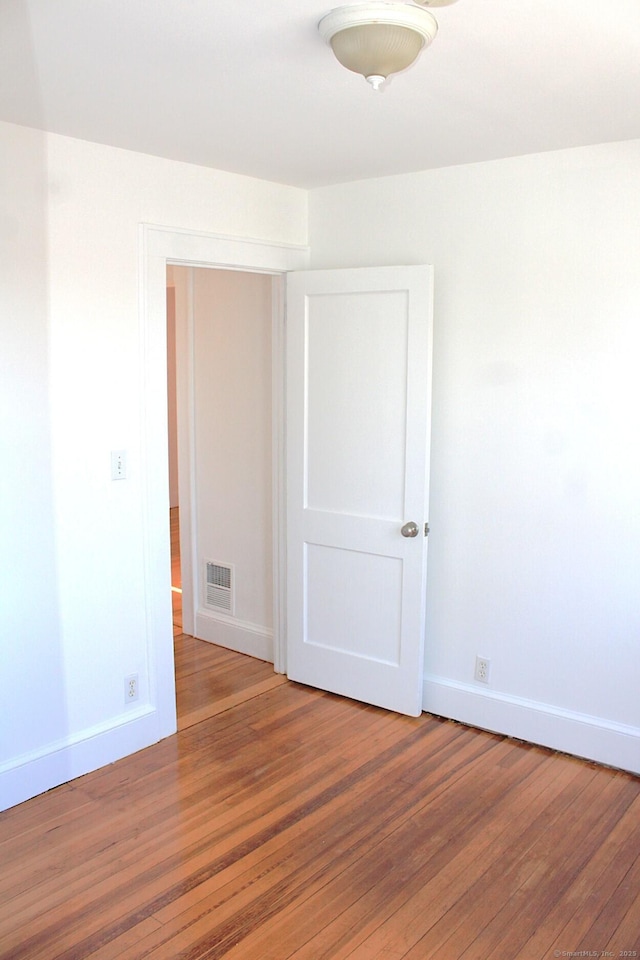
358, 404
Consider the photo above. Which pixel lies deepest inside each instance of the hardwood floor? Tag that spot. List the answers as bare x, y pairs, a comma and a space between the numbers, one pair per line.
282, 822
208, 680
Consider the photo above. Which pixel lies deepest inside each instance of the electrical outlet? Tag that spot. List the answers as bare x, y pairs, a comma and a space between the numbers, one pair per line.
483, 668
131, 688
118, 464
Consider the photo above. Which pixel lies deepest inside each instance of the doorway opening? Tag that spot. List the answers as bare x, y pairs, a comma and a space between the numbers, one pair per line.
161, 246
219, 391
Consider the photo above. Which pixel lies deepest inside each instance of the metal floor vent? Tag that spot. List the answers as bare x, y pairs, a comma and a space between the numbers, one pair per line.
219, 579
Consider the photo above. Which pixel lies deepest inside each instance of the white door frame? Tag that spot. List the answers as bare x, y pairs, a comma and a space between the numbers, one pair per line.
158, 246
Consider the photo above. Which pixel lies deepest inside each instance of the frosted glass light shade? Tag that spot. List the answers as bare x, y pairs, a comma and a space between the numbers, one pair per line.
379, 38
377, 49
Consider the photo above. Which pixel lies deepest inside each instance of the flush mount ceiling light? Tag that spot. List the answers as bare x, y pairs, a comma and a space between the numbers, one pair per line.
379, 38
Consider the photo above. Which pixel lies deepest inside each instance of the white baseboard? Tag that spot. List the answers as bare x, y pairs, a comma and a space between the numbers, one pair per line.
32, 773
238, 635
585, 736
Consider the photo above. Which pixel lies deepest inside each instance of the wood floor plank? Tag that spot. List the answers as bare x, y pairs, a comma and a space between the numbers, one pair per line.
306, 824
334, 913
289, 883
393, 916
260, 951
208, 802
625, 939
572, 914
551, 867
139, 859
424, 921
189, 718
618, 912
471, 925
284, 823
147, 887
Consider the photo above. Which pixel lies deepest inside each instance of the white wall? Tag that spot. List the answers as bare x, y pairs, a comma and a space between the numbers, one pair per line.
73, 621
535, 507
31, 656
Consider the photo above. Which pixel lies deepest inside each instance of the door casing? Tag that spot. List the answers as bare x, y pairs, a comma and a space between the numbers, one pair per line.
159, 246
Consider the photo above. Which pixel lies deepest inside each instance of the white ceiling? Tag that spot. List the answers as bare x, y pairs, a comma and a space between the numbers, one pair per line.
249, 86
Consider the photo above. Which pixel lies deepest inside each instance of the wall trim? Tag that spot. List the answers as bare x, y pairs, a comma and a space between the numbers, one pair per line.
580, 734
185, 399
239, 635
199, 249
158, 246
73, 756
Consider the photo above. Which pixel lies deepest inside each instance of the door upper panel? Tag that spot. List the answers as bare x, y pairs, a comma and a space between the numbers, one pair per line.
356, 411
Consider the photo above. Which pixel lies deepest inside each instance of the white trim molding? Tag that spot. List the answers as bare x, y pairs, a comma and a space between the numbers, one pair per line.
604, 741
62, 760
235, 634
160, 245
215, 250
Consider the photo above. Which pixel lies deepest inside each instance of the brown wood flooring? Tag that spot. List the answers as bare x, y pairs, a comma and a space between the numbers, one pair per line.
282, 822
